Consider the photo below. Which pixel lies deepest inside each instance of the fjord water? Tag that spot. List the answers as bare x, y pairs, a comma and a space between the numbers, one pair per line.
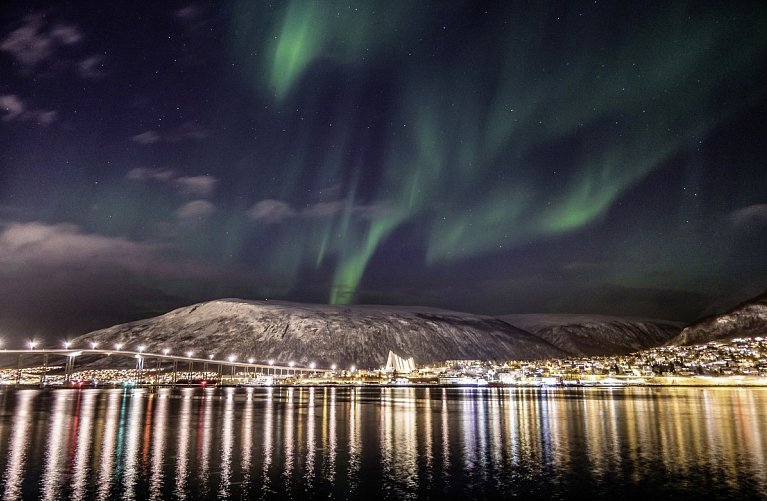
391, 443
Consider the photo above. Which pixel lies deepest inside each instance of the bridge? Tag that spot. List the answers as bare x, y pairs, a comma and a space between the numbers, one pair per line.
144, 360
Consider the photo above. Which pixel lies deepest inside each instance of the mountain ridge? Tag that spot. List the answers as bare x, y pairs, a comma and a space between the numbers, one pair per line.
327, 334
747, 319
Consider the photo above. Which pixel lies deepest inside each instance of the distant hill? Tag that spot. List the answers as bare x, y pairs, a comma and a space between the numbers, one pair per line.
589, 335
747, 319
327, 334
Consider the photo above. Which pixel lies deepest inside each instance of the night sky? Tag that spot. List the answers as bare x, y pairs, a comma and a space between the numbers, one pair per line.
499, 157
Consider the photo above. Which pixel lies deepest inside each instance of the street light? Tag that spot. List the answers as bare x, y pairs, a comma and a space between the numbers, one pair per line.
141, 348
271, 362
165, 351
32, 344
189, 354
66, 345
118, 346
93, 345
251, 360
333, 367
231, 358
210, 357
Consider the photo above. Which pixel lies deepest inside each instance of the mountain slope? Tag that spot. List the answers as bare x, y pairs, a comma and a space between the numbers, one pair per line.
745, 320
589, 335
326, 334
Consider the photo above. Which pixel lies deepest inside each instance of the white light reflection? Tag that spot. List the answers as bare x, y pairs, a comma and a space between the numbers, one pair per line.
331, 441
81, 467
354, 441
425, 435
496, 444
268, 436
227, 444
205, 429
57, 445
158, 444
310, 446
289, 439
445, 436
182, 458
247, 443
133, 443
18, 444
115, 403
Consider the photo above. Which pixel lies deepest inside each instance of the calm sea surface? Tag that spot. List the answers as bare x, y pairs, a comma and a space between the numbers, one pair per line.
394, 443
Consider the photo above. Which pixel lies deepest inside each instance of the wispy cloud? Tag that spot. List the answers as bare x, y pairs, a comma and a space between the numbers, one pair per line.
271, 211
92, 67
197, 185
36, 41
16, 109
195, 211
54, 245
201, 186
749, 216
276, 211
188, 131
142, 174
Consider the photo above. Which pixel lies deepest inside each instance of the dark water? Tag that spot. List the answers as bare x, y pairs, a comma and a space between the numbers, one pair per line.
395, 443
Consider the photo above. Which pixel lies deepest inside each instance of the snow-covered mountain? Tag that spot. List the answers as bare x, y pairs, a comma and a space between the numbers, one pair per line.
589, 335
326, 334
748, 319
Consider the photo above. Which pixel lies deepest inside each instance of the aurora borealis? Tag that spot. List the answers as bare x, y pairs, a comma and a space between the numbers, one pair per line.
493, 157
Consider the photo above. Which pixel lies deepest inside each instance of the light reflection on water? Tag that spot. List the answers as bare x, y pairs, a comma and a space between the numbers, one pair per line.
396, 443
